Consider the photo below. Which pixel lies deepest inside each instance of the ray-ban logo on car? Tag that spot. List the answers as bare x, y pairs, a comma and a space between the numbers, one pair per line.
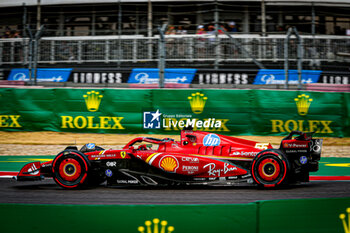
151, 120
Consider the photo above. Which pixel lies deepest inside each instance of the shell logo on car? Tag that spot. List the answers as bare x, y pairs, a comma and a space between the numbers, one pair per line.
169, 163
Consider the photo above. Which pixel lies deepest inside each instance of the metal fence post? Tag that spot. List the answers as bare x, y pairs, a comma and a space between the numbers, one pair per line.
190, 48
79, 51
299, 56
52, 49
286, 56
134, 51
12, 51
107, 52
1, 53
161, 54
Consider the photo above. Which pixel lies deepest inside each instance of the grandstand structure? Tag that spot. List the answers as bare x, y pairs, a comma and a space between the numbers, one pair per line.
125, 33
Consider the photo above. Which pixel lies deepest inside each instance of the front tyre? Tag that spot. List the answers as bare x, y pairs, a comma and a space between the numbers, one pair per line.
270, 168
70, 169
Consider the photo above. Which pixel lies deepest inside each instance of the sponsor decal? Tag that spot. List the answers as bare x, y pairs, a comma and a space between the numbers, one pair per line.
218, 172
169, 163
262, 146
335, 79
123, 154
151, 120
98, 77
190, 159
171, 76
296, 151
156, 226
303, 103
194, 123
345, 221
9, 121
102, 155
111, 164
179, 121
33, 170
197, 102
210, 77
92, 102
108, 173
294, 145
190, 169
211, 140
245, 153
271, 76
90, 146
199, 179
43, 74
303, 160
127, 182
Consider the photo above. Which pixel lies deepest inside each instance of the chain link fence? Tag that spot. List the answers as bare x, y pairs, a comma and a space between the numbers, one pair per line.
179, 48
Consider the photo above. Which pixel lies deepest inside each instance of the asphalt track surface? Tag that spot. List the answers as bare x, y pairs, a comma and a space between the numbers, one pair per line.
47, 192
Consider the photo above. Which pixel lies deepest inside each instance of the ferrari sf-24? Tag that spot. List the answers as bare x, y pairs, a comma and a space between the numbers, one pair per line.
199, 158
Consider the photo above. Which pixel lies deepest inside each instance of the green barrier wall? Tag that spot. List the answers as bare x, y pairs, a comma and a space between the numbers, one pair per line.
127, 219
233, 112
313, 215
300, 216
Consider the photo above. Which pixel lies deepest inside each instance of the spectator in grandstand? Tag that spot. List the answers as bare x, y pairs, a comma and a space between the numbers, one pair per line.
15, 34
181, 31
18, 46
170, 46
200, 46
65, 52
7, 33
232, 27
200, 30
181, 41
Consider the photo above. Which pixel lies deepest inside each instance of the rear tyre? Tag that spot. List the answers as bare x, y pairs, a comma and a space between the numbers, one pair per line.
70, 169
270, 168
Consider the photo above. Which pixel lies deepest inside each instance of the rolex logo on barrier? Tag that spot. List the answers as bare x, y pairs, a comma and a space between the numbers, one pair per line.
346, 225
197, 102
93, 121
93, 100
156, 228
303, 103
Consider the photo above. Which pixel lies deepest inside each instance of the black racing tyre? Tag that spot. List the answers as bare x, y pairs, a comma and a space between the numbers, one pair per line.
70, 169
270, 168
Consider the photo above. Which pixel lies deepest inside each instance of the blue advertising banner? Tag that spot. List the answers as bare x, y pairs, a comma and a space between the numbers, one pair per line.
270, 76
171, 76
43, 75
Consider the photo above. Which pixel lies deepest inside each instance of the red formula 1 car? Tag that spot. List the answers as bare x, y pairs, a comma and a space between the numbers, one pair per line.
199, 158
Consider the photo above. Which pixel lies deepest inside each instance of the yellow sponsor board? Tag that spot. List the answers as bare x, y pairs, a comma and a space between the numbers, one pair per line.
303, 103
92, 101
9, 121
